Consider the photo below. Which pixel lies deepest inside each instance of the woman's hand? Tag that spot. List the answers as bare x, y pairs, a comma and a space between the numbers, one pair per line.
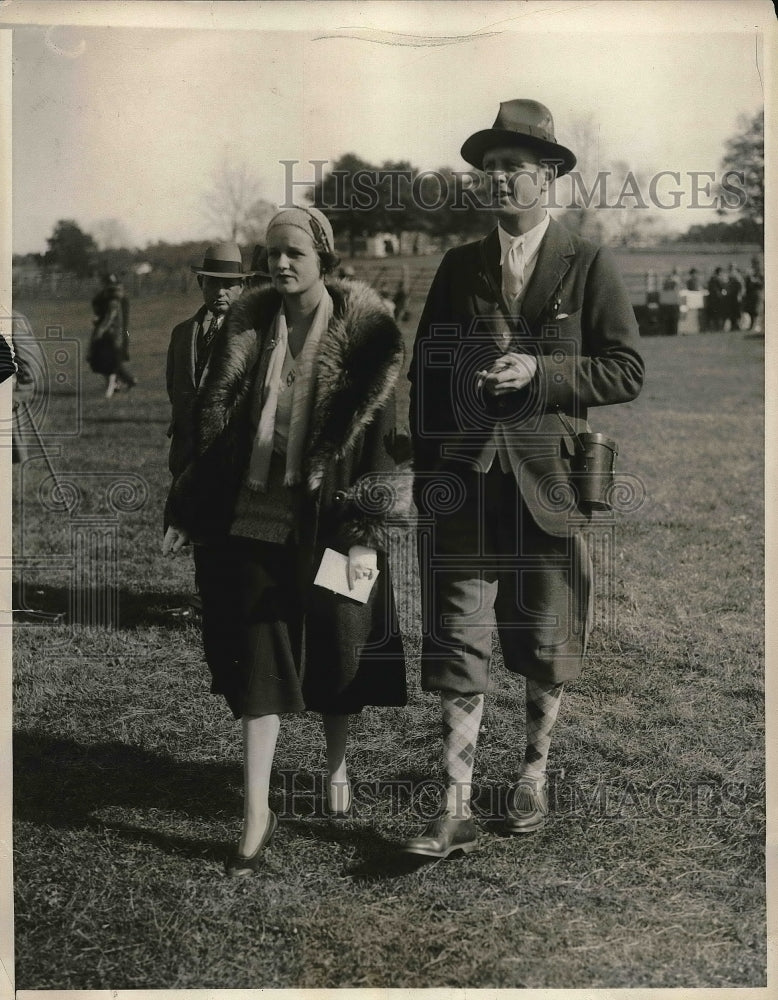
509, 372
174, 541
362, 564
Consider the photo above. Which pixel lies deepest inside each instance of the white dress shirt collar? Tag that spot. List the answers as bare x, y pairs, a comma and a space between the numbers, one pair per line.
532, 240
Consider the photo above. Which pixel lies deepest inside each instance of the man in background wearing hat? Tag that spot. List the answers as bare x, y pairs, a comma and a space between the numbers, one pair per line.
221, 280
521, 331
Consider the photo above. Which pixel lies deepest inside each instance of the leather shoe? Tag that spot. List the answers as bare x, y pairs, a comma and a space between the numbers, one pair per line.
238, 866
443, 836
339, 798
527, 806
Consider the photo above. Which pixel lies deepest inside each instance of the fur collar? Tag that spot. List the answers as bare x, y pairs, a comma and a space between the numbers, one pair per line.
360, 358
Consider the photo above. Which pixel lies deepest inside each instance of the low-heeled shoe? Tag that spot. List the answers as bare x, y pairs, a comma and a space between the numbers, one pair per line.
443, 836
239, 866
527, 806
328, 807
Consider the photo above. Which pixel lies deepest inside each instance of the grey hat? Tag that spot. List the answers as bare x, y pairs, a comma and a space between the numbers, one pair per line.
520, 122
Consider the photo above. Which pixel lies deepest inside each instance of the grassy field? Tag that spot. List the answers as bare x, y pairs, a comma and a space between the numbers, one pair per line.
128, 775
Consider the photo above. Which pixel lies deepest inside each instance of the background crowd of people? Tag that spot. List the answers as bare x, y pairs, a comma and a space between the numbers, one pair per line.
735, 301
732, 300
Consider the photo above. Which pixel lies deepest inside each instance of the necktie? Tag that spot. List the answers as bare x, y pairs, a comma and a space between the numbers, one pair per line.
205, 340
513, 271
210, 333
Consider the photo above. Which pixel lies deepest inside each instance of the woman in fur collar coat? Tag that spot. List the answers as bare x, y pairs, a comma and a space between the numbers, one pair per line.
294, 428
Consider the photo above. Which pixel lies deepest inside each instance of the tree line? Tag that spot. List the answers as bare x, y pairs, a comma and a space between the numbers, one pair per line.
363, 199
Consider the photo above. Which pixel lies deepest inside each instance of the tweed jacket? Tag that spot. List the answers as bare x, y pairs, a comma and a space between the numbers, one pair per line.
181, 390
576, 319
348, 457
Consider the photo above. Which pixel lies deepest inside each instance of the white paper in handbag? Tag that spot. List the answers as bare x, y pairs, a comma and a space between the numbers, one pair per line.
332, 575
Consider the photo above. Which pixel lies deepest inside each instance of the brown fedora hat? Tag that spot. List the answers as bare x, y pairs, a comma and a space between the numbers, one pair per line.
520, 123
222, 260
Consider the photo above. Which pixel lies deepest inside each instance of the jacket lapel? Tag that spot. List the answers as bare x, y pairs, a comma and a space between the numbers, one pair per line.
552, 264
197, 320
487, 289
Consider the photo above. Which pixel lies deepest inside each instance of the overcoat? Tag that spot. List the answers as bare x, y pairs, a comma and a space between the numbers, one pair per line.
109, 346
351, 493
181, 390
576, 319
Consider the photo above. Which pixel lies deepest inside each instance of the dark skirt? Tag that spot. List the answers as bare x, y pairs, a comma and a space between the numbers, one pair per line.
354, 651
273, 649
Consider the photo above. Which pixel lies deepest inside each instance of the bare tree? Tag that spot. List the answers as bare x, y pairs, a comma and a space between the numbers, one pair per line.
580, 193
257, 218
606, 200
229, 205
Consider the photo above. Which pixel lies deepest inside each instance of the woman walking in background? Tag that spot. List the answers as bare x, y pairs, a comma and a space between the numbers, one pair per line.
294, 426
109, 350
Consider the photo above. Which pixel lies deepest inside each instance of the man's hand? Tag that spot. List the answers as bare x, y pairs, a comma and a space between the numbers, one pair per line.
174, 541
362, 564
509, 372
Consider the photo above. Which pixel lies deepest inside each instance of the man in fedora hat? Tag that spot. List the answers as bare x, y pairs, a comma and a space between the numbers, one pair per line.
220, 278
521, 333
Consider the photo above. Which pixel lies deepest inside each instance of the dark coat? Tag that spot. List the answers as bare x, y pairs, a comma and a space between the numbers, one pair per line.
576, 319
350, 493
109, 346
181, 390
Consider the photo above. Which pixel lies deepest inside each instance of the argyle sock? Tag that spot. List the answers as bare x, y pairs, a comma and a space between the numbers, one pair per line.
461, 722
543, 701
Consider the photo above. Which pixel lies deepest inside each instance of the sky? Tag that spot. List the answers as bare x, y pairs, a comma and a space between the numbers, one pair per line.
133, 121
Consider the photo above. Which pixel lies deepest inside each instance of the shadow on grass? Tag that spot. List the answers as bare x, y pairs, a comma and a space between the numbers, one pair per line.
138, 416
90, 779
44, 604
380, 858
391, 863
194, 848
64, 784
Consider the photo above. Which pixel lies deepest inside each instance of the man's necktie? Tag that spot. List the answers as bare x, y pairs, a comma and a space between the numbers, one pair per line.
210, 333
205, 340
513, 271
